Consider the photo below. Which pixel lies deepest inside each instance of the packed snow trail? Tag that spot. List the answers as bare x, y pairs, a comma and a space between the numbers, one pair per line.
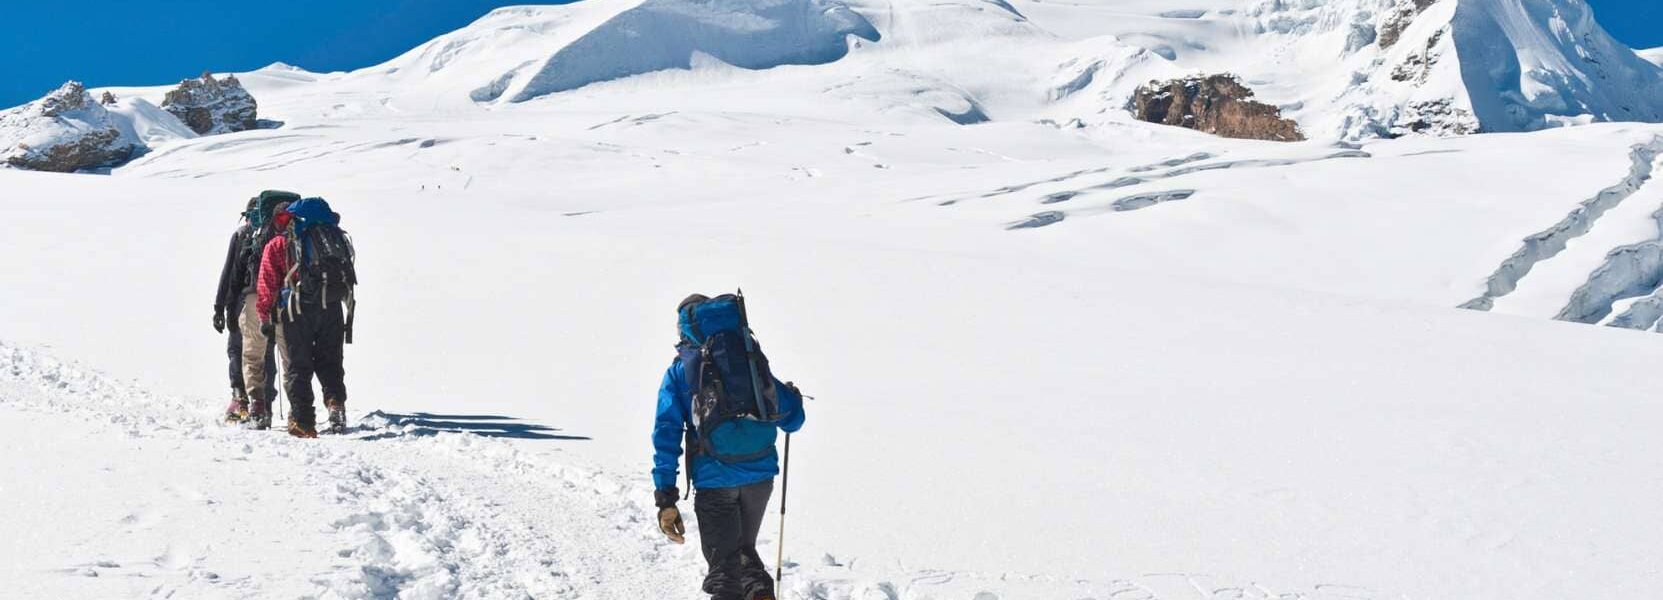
400, 508
405, 514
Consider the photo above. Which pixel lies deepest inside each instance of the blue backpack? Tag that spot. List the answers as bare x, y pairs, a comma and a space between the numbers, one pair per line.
735, 405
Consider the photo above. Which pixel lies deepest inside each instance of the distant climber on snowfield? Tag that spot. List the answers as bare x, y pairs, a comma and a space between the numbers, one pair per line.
721, 398
259, 372
307, 277
235, 282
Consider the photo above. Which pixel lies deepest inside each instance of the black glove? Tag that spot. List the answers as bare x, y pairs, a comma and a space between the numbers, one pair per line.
219, 320
666, 497
268, 329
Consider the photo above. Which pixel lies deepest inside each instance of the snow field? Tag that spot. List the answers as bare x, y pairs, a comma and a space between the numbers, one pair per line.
1211, 369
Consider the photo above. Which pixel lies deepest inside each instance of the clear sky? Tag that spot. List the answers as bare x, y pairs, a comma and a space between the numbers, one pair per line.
135, 42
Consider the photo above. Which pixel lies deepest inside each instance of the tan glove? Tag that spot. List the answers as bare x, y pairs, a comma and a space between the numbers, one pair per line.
669, 521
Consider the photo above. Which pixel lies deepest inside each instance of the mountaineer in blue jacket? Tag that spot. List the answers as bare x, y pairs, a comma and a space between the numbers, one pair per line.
721, 399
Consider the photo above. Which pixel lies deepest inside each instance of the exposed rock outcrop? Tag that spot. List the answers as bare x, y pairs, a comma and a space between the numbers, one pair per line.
1437, 118
1216, 104
65, 131
1399, 18
107, 99
211, 106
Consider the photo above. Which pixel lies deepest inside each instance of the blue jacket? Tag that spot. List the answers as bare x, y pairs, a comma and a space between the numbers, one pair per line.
675, 399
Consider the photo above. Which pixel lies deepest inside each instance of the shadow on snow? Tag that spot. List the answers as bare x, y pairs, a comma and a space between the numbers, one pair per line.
429, 424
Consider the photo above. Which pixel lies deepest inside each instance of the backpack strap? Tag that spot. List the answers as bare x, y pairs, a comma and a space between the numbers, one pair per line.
690, 358
291, 279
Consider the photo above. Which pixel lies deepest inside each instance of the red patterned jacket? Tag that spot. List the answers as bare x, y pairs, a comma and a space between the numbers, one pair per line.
274, 266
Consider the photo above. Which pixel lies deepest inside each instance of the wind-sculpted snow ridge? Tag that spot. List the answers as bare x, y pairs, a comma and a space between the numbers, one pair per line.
669, 34
1629, 271
1550, 242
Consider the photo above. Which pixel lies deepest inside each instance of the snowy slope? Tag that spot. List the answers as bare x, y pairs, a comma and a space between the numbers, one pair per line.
1137, 304
1453, 68
1054, 358
140, 120
1329, 65
1654, 56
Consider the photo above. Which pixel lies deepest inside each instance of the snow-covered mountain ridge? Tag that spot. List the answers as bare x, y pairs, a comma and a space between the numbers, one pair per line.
1349, 69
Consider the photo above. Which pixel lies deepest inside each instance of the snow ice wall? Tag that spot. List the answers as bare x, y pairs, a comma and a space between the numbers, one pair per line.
666, 34
1531, 64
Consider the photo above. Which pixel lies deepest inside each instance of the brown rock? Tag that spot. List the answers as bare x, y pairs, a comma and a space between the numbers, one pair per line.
107, 99
95, 149
209, 106
1400, 18
64, 132
1216, 104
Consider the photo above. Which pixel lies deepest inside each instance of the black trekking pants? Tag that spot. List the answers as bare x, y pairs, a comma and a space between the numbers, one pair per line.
313, 341
729, 519
234, 351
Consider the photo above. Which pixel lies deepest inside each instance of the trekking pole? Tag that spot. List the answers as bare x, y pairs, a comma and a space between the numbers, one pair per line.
785, 487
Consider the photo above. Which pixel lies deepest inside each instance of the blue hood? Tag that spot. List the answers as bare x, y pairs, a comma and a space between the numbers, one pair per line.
314, 210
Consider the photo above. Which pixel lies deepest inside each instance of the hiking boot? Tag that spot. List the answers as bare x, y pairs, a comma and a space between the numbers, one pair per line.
337, 421
237, 411
337, 416
302, 430
259, 419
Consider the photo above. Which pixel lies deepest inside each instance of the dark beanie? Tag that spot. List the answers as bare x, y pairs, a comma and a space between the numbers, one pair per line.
691, 300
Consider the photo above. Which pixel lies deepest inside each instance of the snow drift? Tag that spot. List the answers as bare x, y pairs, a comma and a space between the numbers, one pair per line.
138, 119
669, 34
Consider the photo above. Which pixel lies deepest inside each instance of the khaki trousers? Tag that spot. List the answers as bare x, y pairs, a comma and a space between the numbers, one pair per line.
256, 380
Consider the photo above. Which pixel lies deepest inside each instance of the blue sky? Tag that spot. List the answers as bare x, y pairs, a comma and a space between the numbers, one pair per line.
128, 42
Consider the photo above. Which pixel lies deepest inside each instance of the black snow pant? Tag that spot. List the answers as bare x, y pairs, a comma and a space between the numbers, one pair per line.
234, 351
729, 519
313, 341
